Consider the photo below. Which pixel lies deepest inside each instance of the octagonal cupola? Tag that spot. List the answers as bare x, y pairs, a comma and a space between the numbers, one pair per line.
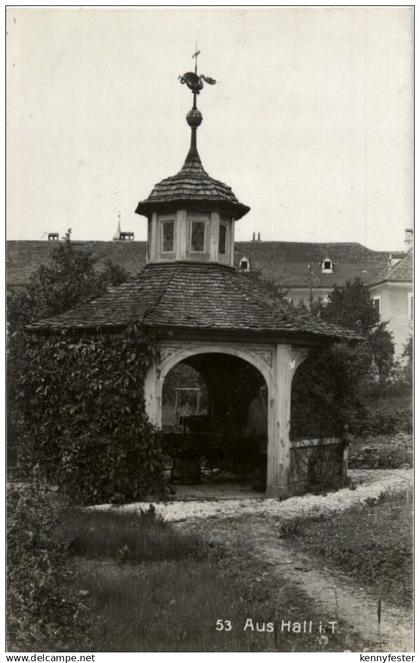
191, 216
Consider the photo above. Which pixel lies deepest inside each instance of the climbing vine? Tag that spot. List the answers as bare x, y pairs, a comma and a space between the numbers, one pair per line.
82, 414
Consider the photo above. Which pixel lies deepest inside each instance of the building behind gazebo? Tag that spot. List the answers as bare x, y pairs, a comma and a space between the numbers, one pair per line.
201, 309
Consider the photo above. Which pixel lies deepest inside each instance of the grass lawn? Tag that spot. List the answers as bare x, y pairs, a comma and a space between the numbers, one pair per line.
372, 542
151, 586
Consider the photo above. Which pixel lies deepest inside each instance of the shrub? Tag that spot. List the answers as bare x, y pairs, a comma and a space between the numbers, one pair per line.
382, 452
83, 415
42, 613
385, 422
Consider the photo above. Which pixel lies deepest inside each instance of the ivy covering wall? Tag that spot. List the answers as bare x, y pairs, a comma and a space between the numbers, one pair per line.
82, 415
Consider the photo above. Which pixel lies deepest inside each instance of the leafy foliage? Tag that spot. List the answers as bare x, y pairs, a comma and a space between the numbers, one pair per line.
332, 387
43, 611
403, 371
71, 277
382, 452
351, 307
84, 416
78, 401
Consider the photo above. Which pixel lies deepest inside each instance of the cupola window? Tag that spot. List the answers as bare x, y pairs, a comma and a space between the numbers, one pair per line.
222, 238
197, 236
168, 236
327, 266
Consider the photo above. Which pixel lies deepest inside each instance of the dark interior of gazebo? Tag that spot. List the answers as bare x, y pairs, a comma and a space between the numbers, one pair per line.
215, 421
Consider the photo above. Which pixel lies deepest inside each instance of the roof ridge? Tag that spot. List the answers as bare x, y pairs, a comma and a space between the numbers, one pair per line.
160, 296
400, 262
387, 273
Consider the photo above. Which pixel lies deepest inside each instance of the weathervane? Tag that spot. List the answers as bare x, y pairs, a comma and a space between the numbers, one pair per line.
195, 83
193, 80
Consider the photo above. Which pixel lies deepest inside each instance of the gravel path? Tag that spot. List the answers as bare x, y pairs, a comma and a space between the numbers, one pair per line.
367, 484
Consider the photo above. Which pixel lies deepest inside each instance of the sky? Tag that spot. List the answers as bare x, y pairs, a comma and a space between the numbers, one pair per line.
310, 121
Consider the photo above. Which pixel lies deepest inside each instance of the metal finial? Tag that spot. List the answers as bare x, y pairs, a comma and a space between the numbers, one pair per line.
194, 81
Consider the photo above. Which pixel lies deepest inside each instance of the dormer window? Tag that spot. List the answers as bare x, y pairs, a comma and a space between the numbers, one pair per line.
244, 265
327, 266
168, 236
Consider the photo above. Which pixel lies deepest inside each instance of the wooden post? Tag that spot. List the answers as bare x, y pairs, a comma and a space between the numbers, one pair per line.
287, 360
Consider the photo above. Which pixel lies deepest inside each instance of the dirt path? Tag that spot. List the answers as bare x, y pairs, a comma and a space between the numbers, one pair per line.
250, 527
334, 593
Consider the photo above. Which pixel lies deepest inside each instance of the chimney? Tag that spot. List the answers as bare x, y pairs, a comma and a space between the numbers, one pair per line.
259, 237
408, 241
253, 237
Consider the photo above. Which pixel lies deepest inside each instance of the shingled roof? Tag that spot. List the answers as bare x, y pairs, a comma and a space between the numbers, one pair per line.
192, 184
189, 296
402, 272
24, 257
286, 263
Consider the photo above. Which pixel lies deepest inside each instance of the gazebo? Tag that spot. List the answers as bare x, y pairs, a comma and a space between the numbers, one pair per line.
198, 305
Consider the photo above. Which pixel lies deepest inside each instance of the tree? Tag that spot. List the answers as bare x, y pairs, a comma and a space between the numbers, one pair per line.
351, 307
332, 388
71, 277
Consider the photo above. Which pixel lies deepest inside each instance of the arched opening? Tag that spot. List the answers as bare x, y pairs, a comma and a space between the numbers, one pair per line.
315, 403
316, 427
214, 420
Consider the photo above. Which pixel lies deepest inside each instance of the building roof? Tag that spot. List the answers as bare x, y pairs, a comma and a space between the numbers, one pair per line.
192, 296
24, 257
402, 272
192, 184
287, 263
